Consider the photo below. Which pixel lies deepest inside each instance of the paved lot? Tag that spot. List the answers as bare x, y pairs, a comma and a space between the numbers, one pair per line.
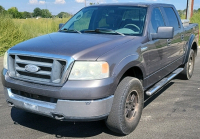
172, 113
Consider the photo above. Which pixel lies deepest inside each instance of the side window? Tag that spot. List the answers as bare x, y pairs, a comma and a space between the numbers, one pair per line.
156, 20
172, 18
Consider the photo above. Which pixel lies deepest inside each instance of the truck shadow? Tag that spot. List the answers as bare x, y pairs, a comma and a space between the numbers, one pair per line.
59, 128
68, 129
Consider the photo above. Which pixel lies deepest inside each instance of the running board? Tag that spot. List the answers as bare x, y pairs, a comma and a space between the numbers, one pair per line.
164, 81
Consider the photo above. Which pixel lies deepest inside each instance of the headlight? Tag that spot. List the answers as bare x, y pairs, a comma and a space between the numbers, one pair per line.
89, 70
5, 60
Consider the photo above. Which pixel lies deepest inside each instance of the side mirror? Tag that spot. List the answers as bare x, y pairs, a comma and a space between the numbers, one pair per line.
61, 25
163, 33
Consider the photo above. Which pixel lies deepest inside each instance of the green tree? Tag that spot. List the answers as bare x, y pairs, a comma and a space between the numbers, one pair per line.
14, 12
37, 12
195, 11
26, 15
20, 15
2, 10
93, 3
180, 12
46, 13
64, 15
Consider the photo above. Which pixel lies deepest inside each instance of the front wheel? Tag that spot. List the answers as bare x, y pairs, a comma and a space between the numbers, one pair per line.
187, 73
127, 106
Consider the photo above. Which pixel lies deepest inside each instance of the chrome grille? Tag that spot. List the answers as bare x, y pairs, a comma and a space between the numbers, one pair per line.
50, 70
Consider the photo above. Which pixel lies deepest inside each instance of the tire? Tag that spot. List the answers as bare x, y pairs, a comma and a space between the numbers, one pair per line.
187, 72
127, 106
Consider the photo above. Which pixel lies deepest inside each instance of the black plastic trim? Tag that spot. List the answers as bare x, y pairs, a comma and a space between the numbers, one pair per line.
188, 47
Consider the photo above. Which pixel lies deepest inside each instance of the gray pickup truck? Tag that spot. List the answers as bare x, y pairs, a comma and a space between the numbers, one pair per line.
101, 64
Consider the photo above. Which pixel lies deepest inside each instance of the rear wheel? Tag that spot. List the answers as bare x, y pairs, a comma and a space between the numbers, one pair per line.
187, 73
127, 106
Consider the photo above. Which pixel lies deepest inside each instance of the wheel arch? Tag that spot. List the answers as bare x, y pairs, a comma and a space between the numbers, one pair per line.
134, 71
191, 44
195, 47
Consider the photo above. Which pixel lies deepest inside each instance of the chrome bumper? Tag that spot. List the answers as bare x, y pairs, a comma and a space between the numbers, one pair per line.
63, 109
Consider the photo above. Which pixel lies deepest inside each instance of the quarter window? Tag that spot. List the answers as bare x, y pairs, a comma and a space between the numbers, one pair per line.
172, 18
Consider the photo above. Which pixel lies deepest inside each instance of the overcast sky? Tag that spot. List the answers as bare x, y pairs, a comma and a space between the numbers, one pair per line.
72, 6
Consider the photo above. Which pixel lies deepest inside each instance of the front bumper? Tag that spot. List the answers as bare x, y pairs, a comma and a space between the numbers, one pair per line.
76, 100
63, 109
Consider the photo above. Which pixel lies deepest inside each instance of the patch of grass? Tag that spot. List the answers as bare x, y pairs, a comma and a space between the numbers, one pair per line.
14, 31
196, 19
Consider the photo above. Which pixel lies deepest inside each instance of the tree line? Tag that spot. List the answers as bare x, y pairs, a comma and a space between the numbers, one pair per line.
37, 12
182, 13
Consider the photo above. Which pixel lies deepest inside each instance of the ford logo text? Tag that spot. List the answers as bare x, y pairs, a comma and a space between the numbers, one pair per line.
32, 68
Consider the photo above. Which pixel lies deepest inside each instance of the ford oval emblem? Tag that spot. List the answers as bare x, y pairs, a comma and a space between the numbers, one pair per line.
32, 68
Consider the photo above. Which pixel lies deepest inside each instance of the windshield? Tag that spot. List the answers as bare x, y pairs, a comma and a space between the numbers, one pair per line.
127, 20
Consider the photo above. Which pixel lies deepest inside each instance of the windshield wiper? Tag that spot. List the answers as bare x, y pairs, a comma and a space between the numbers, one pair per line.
104, 30
71, 30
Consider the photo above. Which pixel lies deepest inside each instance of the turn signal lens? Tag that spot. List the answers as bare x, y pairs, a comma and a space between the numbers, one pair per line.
5, 60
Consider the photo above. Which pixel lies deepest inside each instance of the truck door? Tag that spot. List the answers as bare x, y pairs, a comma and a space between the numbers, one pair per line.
174, 49
156, 53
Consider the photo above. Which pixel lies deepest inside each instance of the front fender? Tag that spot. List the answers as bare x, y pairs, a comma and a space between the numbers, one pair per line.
125, 64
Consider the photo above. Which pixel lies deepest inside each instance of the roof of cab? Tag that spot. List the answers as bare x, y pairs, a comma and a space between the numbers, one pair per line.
133, 4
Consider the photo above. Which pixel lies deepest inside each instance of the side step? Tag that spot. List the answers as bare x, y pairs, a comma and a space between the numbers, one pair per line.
164, 81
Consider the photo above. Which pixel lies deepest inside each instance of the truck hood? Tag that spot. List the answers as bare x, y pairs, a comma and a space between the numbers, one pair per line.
78, 46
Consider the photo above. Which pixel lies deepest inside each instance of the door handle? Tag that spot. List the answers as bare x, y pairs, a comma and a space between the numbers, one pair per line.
169, 42
182, 37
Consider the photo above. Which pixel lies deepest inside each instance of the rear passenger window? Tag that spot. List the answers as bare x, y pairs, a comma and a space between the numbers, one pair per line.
156, 20
172, 18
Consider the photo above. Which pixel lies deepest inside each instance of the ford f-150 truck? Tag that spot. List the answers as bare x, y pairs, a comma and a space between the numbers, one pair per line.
101, 64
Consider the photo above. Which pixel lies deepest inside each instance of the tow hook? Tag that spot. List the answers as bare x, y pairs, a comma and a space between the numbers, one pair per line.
58, 116
10, 104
